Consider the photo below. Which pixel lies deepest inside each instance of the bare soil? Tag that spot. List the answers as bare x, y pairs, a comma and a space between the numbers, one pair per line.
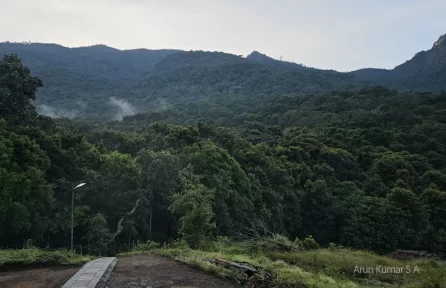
153, 271
50, 277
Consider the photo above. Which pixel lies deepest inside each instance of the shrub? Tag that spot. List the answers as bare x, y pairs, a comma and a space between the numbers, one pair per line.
298, 244
35, 256
148, 246
179, 243
333, 247
309, 243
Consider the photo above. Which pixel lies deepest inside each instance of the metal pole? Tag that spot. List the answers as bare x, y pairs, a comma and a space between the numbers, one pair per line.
72, 208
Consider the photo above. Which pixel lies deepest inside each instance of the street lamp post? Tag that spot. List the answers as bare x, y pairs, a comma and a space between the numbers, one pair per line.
72, 210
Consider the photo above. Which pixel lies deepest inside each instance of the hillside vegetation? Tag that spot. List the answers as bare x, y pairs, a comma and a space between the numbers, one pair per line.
103, 83
363, 169
426, 71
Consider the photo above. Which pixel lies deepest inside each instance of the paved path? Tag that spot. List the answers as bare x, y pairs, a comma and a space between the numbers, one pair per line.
90, 273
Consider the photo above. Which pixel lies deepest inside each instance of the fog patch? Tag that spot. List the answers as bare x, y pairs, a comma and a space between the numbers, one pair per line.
160, 104
82, 104
124, 108
56, 112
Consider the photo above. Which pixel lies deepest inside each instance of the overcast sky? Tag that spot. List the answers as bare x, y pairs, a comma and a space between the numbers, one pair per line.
332, 34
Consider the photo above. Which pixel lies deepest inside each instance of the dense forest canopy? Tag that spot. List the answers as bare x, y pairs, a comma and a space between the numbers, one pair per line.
365, 168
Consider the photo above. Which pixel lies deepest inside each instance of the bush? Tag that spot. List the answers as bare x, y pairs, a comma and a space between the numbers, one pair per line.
148, 246
298, 244
333, 247
179, 243
309, 243
35, 256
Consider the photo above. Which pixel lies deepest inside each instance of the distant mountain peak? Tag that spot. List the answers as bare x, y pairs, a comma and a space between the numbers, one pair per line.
440, 42
259, 57
100, 47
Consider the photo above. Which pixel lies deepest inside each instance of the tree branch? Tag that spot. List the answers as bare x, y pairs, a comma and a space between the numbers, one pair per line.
120, 227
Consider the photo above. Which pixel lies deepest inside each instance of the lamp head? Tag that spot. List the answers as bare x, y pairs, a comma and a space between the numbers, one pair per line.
80, 185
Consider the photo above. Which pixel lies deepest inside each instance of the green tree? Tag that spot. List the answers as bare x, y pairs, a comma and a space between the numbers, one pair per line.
409, 202
160, 177
26, 198
193, 204
375, 224
219, 171
434, 202
97, 234
387, 166
114, 190
17, 90
318, 212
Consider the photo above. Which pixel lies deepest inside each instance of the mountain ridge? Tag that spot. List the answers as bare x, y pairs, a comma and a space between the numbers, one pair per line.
91, 76
425, 71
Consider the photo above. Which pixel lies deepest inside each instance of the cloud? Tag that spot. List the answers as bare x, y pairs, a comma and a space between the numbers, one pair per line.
124, 108
56, 113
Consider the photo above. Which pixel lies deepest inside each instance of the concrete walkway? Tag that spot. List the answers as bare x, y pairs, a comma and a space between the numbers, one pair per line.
90, 273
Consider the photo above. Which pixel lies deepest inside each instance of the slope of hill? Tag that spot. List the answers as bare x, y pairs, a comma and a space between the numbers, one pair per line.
95, 64
73, 77
188, 77
79, 82
104, 83
426, 71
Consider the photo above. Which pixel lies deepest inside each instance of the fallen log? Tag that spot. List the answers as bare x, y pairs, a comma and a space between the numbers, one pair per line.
249, 270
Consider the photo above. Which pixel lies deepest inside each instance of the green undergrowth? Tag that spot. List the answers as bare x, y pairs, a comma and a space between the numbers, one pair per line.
365, 268
326, 268
37, 257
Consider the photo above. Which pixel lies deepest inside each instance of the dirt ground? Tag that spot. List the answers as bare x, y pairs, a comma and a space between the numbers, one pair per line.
152, 271
53, 277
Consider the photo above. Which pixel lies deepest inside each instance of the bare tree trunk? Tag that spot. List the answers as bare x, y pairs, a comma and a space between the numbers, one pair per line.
119, 228
150, 224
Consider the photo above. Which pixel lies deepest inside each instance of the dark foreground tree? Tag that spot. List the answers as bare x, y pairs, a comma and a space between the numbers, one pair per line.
17, 90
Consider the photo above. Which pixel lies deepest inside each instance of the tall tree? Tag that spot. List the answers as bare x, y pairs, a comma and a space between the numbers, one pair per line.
17, 90
160, 177
26, 199
193, 205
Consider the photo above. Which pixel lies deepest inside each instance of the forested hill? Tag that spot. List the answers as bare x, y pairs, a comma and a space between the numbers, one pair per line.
75, 77
209, 77
426, 71
368, 107
104, 83
80, 82
364, 169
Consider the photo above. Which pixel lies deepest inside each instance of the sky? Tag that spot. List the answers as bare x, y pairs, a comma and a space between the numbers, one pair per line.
343, 35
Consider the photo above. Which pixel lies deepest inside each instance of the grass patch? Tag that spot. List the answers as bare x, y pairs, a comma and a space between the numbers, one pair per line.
285, 275
330, 268
38, 257
347, 264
